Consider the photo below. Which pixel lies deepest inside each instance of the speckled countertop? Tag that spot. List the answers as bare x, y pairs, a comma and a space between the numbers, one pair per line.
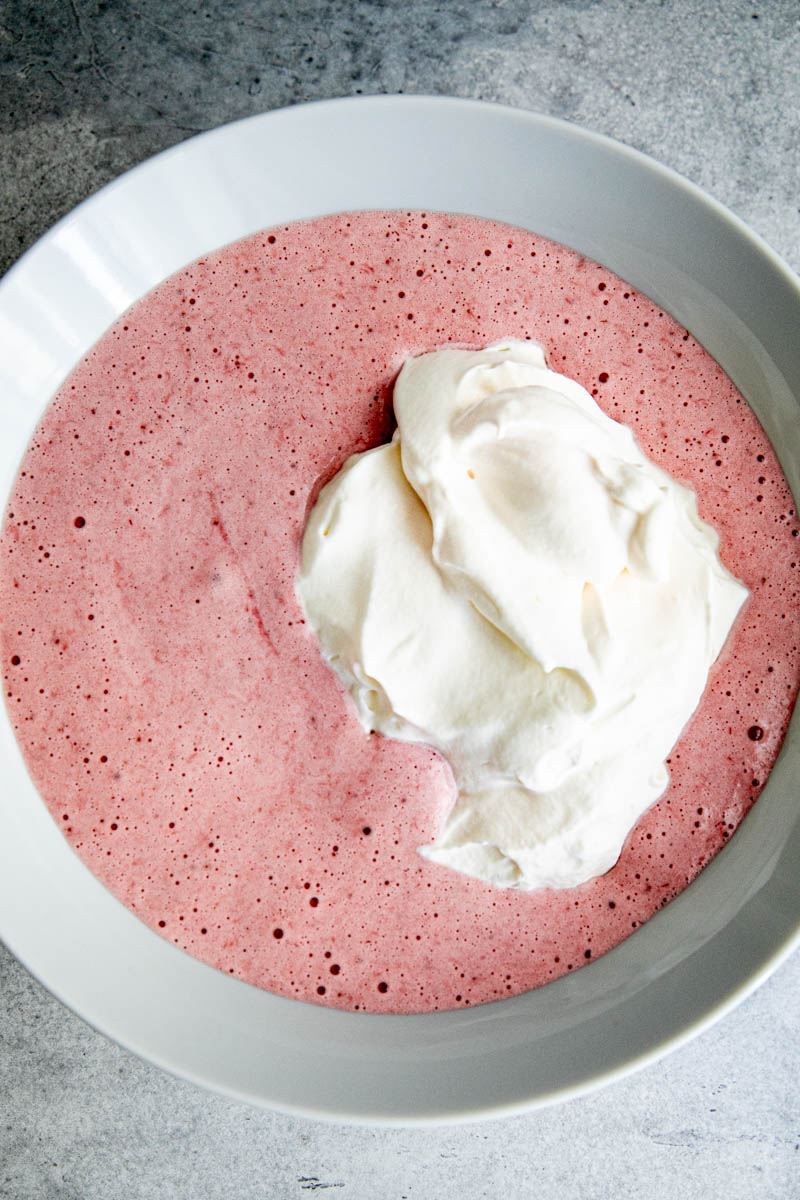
87, 90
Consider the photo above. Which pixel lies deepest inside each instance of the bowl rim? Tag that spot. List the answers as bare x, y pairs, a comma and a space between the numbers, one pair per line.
206, 144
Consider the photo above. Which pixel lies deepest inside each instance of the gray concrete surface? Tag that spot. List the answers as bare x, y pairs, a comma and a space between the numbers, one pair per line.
87, 90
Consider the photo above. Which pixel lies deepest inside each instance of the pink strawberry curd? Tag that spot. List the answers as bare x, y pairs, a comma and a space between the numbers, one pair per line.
173, 708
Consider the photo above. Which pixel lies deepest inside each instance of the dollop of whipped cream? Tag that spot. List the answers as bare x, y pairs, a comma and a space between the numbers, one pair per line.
513, 582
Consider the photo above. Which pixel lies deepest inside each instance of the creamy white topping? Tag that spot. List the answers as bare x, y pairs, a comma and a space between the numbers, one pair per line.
512, 581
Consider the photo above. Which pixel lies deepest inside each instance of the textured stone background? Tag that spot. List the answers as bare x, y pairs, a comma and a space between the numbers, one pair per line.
89, 89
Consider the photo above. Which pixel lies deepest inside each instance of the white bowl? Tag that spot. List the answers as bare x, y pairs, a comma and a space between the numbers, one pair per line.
693, 960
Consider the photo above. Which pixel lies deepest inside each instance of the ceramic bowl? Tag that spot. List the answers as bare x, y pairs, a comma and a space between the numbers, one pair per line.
692, 961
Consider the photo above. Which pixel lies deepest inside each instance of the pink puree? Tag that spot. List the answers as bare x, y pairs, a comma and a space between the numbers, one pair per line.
173, 708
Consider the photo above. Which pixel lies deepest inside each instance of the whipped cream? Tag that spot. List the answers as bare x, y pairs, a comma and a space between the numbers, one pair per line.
513, 582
